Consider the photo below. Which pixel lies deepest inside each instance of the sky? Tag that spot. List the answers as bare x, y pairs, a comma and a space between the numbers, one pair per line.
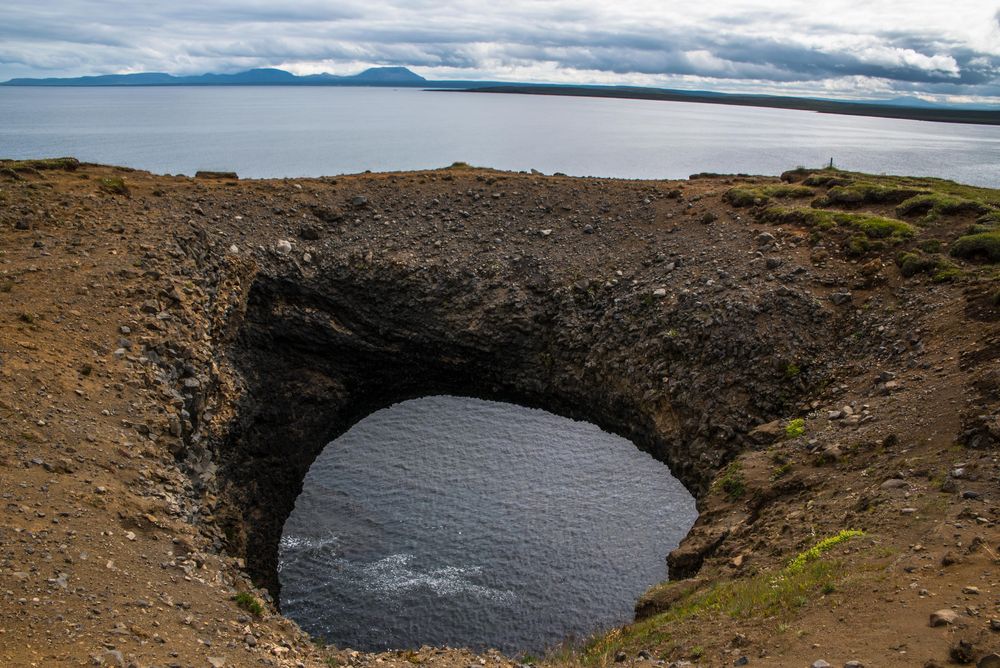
940, 51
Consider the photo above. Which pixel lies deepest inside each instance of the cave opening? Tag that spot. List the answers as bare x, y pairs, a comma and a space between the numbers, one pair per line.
452, 521
308, 358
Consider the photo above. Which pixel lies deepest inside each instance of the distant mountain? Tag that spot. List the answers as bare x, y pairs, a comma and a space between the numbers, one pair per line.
900, 107
376, 76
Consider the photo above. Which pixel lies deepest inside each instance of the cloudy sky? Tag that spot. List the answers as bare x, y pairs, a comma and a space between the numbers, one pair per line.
835, 48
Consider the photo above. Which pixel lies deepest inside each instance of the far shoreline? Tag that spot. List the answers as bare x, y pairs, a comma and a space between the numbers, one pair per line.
874, 110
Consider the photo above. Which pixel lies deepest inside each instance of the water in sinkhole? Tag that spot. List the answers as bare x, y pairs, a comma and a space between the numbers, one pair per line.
461, 522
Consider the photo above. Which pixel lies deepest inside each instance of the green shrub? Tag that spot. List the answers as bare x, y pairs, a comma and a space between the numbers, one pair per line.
115, 185
985, 246
250, 603
795, 428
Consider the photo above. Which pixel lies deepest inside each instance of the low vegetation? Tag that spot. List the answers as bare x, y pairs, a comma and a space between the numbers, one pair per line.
66, 164
795, 428
934, 205
805, 578
732, 483
250, 603
982, 246
933, 265
856, 193
743, 197
874, 227
797, 564
115, 185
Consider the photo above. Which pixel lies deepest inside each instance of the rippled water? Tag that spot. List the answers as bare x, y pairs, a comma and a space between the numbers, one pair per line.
454, 521
306, 131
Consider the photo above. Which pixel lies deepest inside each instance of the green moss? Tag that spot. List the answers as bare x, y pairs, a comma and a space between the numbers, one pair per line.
946, 274
743, 197
795, 428
874, 227
982, 246
933, 205
865, 192
877, 227
930, 245
66, 164
911, 264
828, 179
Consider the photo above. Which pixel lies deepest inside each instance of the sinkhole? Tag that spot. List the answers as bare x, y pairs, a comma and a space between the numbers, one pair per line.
456, 521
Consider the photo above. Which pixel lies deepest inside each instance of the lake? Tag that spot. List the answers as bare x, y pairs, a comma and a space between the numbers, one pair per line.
312, 131
461, 522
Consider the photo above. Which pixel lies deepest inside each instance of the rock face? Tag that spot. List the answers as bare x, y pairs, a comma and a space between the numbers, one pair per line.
312, 354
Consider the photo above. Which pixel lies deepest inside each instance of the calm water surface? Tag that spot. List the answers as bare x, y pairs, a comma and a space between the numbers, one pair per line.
276, 132
452, 521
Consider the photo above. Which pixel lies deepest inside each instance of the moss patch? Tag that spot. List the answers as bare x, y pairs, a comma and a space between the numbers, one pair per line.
742, 197
982, 246
874, 227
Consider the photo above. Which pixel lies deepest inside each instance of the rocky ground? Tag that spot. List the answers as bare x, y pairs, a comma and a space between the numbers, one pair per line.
815, 358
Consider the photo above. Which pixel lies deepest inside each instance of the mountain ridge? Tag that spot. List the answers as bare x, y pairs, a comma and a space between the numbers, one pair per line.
253, 77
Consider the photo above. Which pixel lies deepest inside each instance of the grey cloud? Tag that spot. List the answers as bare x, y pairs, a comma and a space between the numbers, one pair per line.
777, 46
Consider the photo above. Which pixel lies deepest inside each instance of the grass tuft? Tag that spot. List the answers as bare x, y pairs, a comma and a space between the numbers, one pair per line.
797, 564
249, 602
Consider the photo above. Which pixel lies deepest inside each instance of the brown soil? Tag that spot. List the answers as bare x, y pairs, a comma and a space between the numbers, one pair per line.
175, 352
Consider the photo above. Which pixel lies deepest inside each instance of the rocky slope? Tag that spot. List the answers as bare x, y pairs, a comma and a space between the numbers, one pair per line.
807, 357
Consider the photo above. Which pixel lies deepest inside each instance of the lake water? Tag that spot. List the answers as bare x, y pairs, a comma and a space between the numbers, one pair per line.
277, 132
454, 521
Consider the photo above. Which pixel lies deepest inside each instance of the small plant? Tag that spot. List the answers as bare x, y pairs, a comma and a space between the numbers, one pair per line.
792, 370
795, 428
27, 318
6, 286
250, 603
732, 482
930, 245
781, 470
115, 185
816, 551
